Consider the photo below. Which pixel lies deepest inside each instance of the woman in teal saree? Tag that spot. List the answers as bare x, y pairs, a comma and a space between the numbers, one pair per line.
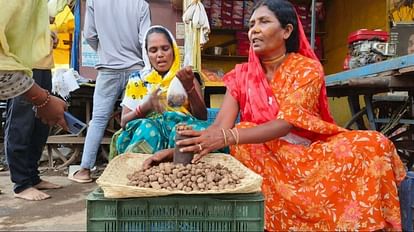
148, 120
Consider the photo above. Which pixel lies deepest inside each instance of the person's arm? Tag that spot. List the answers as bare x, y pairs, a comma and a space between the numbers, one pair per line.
89, 28
126, 116
14, 83
193, 89
145, 22
213, 138
217, 138
197, 104
145, 106
55, 39
165, 155
129, 114
48, 108
261, 133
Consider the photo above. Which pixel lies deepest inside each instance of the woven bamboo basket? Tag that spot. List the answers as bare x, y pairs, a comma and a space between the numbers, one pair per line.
113, 180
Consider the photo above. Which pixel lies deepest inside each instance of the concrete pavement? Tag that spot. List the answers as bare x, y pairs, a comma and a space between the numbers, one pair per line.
65, 211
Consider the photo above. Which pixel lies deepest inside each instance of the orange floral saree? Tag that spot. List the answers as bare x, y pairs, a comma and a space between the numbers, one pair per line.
340, 180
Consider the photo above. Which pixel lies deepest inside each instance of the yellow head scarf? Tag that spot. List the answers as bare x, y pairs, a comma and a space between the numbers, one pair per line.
151, 75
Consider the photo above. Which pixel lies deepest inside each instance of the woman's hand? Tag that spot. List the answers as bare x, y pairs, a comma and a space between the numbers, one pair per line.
159, 157
192, 88
153, 102
186, 77
202, 142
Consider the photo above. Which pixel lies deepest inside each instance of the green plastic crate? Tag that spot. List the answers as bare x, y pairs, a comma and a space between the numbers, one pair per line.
225, 212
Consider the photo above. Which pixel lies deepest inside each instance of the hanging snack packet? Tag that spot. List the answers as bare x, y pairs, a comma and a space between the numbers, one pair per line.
176, 94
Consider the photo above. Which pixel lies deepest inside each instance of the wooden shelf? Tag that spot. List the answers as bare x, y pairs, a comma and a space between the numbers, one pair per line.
223, 57
214, 84
227, 30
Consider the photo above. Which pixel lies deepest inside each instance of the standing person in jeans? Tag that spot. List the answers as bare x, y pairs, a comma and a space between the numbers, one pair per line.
25, 135
115, 29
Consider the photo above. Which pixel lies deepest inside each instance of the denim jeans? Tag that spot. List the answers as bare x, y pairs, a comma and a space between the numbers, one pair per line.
25, 137
110, 84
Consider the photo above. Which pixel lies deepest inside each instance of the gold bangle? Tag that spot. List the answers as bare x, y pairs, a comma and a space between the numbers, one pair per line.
234, 136
224, 136
237, 135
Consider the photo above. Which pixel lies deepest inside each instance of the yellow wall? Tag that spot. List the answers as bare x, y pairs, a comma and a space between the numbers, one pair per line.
342, 18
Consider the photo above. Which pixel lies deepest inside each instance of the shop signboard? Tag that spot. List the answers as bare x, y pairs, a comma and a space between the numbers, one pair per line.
403, 35
89, 56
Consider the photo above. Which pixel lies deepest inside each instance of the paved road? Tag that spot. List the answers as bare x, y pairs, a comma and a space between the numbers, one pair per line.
65, 211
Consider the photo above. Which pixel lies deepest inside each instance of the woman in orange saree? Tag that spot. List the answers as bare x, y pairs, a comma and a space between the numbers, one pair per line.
316, 175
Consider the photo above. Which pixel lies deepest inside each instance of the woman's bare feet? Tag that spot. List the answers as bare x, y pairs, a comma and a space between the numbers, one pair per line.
46, 185
32, 194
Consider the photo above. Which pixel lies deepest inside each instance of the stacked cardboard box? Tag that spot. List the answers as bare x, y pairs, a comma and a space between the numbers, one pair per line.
305, 16
235, 14
229, 14
243, 43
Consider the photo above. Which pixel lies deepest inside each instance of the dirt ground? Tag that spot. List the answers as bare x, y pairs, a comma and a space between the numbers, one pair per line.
64, 211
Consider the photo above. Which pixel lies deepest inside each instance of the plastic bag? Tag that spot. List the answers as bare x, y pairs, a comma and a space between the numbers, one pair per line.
176, 94
65, 81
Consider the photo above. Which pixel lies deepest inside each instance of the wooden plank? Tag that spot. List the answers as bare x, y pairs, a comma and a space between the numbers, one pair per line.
214, 84
371, 69
59, 139
387, 73
406, 70
374, 82
406, 83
